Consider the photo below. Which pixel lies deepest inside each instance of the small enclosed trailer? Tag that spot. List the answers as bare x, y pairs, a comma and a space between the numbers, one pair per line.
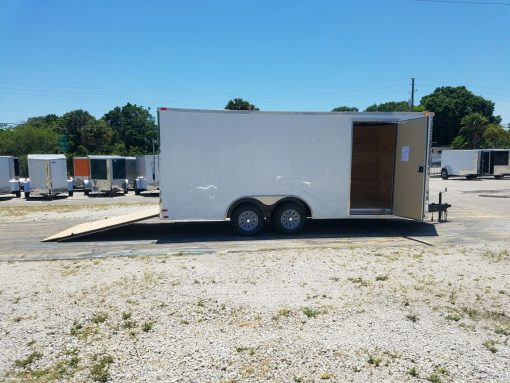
107, 175
47, 176
131, 172
475, 162
9, 176
147, 168
253, 167
81, 166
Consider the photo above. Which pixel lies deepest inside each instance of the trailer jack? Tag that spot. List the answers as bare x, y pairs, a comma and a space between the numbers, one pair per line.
441, 208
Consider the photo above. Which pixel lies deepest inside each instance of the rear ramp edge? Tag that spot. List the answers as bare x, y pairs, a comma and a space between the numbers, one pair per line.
102, 225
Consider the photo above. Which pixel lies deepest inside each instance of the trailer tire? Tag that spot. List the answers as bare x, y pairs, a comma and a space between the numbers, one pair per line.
17, 194
444, 174
27, 195
137, 191
247, 219
289, 218
71, 193
498, 177
86, 192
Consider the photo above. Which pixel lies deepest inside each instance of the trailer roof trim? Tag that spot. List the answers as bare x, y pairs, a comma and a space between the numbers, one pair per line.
361, 116
46, 156
104, 157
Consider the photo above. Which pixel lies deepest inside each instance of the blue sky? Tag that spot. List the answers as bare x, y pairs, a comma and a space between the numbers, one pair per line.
57, 56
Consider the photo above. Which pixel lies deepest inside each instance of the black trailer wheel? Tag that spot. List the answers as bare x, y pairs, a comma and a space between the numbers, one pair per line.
126, 191
86, 191
17, 194
498, 177
289, 218
137, 191
71, 193
27, 195
444, 174
247, 219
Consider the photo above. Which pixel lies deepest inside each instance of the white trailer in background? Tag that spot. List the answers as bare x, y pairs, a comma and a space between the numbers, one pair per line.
254, 167
9, 176
147, 168
107, 175
47, 176
475, 162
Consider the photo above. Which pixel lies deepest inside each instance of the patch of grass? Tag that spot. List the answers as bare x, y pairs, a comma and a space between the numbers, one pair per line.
99, 318
82, 332
434, 378
201, 303
31, 343
148, 326
452, 298
453, 317
413, 317
335, 279
326, 376
359, 281
443, 371
311, 312
491, 346
25, 362
129, 324
99, 371
382, 278
413, 371
502, 330
374, 361
283, 312
497, 256
126, 315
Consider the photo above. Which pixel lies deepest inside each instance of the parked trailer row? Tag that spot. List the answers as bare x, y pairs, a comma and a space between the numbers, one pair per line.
475, 163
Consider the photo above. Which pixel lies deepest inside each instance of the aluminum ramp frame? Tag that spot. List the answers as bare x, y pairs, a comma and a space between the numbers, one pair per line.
103, 225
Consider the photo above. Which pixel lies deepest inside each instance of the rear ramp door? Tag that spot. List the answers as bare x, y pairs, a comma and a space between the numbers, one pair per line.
410, 168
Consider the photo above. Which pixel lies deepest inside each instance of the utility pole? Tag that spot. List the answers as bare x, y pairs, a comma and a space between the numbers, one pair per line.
412, 94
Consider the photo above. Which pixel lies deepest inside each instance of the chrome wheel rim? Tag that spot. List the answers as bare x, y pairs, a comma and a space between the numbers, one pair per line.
248, 220
290, 219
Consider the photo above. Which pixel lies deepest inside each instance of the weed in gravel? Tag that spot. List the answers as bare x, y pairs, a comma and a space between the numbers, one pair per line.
374, 361
201, 303
297, 379
31, 343
335, 279
491, 346
442, 371
148, 326
452, 298
413, 371
502, 330
497, 256
471, 312
413, 317
283, 312
22, 363
434, 378
326, 376
185, 322
128, 324
311, 312
359, 281
126, 315
382, 278
16, 300
453, 317
99, 318
99, 371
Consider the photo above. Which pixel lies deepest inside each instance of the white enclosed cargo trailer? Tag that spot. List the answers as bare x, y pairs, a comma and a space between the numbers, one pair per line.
253, 167
9, 176
147, 168
47, 176
131, 171
107, 175
475, 162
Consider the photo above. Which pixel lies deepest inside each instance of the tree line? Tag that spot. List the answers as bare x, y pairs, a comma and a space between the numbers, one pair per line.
462, 120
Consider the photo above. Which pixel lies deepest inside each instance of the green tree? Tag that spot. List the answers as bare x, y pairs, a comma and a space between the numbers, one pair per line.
345, 109
390, 106
134, 127
95, 138
450, 105
70, 125
240, 104
496, 137
472, 129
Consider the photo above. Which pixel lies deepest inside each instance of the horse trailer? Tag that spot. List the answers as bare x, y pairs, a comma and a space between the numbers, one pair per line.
147, 168
47, 176
107, 175
9, 176
253, 167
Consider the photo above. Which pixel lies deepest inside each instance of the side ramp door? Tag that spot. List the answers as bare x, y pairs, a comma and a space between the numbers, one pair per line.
409, 190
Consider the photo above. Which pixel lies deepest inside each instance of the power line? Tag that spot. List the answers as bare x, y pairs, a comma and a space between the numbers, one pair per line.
464, 2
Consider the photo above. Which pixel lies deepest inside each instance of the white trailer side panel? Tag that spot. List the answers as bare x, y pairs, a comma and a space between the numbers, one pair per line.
6, 173
210, 159
461, 162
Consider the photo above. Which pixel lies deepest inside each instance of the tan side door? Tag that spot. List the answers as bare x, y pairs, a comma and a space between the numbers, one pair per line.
411, 169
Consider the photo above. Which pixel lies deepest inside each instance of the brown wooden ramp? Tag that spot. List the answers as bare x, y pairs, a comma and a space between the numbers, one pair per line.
104, 224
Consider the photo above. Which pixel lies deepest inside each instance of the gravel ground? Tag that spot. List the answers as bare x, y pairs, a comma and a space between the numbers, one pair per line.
389, 314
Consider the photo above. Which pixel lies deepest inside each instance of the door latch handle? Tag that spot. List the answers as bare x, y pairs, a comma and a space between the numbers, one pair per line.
420, 169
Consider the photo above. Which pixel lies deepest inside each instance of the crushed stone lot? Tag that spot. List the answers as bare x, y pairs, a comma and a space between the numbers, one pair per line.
392, 314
